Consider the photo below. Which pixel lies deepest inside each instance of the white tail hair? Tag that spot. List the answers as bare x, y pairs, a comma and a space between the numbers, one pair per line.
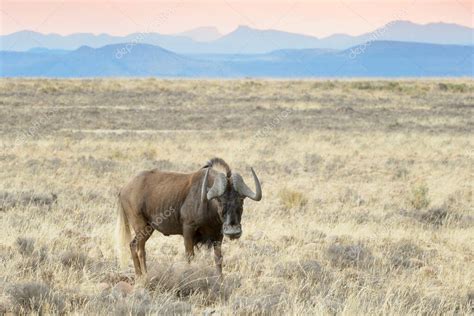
122, 236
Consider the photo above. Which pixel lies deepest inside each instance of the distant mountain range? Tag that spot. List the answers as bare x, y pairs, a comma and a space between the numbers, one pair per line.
378, 58
202, 34
243, 40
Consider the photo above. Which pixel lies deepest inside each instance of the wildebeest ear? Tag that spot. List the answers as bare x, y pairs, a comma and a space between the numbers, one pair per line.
218, 188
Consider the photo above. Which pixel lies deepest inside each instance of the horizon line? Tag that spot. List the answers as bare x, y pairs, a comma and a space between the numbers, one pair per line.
235, 29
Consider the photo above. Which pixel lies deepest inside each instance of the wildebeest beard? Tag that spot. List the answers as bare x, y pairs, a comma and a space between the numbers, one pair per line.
199, 241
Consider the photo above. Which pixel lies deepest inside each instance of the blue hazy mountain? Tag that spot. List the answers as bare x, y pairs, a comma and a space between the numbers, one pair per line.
380, 59
406, 31
244, 40
439, 33
411, 59
143, 60
202, 34
26, 40
48, 51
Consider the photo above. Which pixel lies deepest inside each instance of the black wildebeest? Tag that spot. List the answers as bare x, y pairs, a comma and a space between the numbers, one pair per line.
202, 207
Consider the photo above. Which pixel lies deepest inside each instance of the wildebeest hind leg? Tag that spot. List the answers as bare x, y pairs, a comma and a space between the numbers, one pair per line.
133, 250
145, 235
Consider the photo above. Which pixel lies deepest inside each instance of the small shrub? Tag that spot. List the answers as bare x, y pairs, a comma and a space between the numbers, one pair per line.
399, 168
406, 254
351, 197
312, 162
306, 269
345, 109
470, 300
435, 217
362, 85
149, 153
459, 201
25, 246
348, 255
73, 259
393, 86
400, 173
32, 257
333, 166
442, 86
183, 280
419, 197
292, 199
453, 87
35, 297
10, 200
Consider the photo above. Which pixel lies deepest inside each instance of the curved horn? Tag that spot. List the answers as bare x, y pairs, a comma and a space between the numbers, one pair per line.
243, 189
204, 187
218, 188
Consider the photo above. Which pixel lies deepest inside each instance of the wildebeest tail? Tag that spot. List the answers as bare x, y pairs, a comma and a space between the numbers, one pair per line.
218, 162
122, 235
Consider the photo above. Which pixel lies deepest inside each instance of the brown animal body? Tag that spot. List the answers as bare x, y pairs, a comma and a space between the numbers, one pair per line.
202, 207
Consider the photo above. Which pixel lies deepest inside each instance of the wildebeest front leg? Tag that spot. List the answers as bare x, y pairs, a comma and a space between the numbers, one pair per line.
218, 257
188, 234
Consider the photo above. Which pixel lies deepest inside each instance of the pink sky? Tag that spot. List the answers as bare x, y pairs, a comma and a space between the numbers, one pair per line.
316, 17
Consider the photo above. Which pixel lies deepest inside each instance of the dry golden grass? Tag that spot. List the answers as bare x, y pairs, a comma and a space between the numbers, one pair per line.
367, 204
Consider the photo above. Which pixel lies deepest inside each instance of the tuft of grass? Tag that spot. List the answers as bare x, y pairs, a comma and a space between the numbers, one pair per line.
406, 254
418, 198
49, 89
35, 297
453, 87
149, 153
344, 255
72, 259
312, 162
350, 196
364, 85
292, 199
9, 200
25, 245
435, 217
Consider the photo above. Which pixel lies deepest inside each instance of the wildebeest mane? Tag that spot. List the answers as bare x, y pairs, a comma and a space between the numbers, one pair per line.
219, 162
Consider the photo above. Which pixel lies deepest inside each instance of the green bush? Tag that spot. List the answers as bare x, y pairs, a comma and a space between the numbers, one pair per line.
419, 197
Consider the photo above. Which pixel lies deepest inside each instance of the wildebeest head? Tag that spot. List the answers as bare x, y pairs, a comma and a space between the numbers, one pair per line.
230, 192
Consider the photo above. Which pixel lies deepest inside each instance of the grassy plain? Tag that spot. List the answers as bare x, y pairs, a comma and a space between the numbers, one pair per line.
367, 189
